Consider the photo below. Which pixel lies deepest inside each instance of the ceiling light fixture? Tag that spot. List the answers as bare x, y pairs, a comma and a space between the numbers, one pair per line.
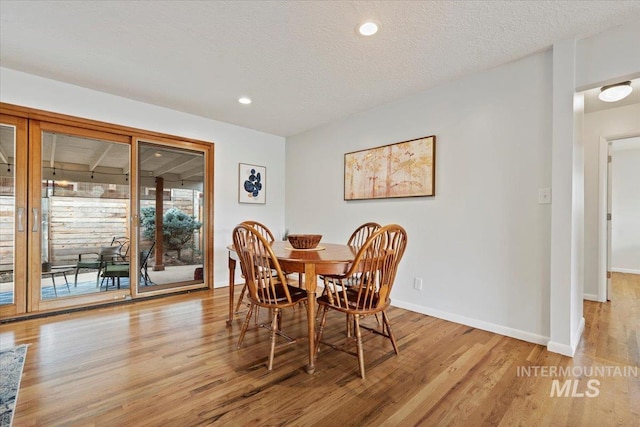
615, 92
244, 100
368, 28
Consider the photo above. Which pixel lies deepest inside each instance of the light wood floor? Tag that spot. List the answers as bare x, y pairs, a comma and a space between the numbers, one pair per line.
173, 362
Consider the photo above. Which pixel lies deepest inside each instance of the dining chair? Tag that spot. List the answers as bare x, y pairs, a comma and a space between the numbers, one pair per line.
375, 267
356, 240
265, 289
362, 233
268, 235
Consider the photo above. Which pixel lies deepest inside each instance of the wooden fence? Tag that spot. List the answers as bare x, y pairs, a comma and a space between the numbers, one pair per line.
76, 224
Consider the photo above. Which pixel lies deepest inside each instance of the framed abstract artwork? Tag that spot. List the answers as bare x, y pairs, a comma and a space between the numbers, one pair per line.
403, 169
252, 184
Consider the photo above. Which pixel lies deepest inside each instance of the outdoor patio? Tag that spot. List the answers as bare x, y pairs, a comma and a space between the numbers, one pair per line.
87, 283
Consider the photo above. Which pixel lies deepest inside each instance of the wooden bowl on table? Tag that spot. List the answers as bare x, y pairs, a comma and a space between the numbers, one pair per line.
304, 241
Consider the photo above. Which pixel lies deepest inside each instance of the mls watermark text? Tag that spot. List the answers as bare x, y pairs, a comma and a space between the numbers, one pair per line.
571, 387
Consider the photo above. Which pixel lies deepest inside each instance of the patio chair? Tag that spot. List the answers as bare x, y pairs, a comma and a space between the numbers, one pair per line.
107, 254
144, 264
123, 243
113, 271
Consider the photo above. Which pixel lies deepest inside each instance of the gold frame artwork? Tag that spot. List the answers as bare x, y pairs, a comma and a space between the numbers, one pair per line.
403, 169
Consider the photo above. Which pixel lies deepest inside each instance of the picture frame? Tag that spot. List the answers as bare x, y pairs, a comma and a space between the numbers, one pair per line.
402, 169
252, 184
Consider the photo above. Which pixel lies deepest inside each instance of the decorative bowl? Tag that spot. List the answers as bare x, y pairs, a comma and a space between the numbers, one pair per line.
304, 241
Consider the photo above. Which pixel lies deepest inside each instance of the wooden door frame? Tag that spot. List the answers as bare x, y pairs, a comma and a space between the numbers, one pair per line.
20, 171
35, 121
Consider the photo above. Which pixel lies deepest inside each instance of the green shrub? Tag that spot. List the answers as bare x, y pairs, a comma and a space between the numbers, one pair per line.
177, 228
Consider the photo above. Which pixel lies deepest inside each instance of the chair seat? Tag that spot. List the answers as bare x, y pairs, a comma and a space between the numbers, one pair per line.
116, 270
296, 294
88, 264
352, 306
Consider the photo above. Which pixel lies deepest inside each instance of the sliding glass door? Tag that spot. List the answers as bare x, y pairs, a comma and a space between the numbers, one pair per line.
171, 208
80, 204
93, 213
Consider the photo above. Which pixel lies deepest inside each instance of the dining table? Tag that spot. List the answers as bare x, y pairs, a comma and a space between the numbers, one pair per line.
324, 259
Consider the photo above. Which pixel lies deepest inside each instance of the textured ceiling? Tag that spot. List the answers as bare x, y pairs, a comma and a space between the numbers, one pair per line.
301, 62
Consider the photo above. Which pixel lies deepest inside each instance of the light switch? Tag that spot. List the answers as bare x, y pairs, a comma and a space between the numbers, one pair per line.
544, 196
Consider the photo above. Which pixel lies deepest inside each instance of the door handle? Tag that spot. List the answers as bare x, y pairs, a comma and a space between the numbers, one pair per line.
36, 220
20, 220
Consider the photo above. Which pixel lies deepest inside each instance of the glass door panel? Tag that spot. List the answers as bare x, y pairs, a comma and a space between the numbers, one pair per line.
171, 194
82, 198
13, 212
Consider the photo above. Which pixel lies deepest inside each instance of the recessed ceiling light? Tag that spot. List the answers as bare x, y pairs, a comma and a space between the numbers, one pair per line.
244, 100
615, 92
368, 28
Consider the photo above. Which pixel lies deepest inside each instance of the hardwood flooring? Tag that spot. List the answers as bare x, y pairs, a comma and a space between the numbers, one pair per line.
173, 362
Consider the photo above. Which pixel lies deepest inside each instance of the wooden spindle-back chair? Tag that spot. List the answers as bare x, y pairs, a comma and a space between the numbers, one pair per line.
266, 283
375, 268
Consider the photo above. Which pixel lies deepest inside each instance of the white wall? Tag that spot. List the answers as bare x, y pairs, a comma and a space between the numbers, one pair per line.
625, 206
233, 145
608, 124
608, 57
482, 243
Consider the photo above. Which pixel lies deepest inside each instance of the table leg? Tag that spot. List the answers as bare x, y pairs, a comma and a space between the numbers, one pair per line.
310, 284
232, 276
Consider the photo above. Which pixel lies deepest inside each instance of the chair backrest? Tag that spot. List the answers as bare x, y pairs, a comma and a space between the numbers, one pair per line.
362, 233
123, 243
374, 268
258, 264
262, 229
109, 253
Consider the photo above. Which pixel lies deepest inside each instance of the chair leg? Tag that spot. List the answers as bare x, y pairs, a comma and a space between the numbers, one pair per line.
53, 280
245, 325
356, 319
66, 281
323, 320
274, 329
242, 292
385, 321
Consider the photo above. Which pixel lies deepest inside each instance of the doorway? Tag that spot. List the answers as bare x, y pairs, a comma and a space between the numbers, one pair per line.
620, 224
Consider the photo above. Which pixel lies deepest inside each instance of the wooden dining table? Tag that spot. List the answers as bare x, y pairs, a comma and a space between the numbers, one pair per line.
325, 259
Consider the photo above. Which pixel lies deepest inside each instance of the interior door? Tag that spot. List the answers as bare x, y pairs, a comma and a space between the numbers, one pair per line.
13, 215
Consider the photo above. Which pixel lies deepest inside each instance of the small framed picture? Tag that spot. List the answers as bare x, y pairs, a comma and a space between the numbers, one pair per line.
252, 184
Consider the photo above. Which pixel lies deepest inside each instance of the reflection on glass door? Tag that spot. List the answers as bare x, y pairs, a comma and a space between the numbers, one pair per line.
13, 212
172, 214
83, 220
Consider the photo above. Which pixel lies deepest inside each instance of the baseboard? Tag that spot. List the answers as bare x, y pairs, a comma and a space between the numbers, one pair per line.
625, 270
564, 349
591, 297
474, 323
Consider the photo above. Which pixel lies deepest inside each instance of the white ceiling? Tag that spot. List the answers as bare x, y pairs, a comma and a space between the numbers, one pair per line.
301, 62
